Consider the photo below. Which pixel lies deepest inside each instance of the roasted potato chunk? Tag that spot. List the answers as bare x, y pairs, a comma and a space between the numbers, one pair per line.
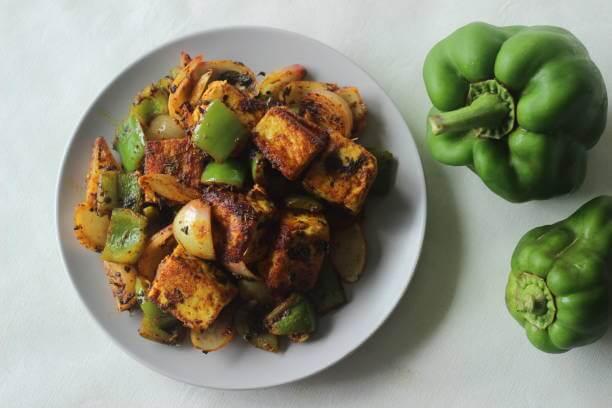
193, 290
101, 159
176, 157
239, 224
295, 91
90, 228
343, 174
297, 252
121, 279
288, 142
248, 110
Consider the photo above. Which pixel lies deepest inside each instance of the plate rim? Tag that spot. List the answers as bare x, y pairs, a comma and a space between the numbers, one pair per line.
422, 224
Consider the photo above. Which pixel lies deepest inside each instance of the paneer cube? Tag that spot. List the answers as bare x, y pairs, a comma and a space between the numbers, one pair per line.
297, 253
343, 174
239, 223
193, 290
176, 157
248, 110
288, 142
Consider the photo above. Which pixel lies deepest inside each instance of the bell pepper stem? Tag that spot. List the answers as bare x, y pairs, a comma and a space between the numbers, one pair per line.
535, 304
488, 111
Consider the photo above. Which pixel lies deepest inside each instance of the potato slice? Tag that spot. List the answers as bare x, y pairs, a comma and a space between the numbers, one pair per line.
327, 110
168, 187
160, 245
353, 98
295, 91
122, 280
235, 73
348, 252
90, 228
274, 82
101, 159
217, 335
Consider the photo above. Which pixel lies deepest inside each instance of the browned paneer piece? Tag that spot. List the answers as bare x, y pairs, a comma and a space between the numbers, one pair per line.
343, 174
193, 290
288, 142
240, 223
175, 157
297, 252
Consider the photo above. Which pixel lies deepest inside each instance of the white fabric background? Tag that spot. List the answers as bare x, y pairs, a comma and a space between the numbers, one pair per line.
449, 343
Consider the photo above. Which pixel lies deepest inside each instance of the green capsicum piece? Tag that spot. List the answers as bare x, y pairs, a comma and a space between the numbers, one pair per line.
303, 202
219, 133
126, 236
295, 315
130, 193
107, 196
156, 324
387, 165
153, 104
249, 325
520, 106
557, 289
230, 172
130, 143
328, 293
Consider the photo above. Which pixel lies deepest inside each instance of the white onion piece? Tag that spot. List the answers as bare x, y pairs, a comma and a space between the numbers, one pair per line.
192, 228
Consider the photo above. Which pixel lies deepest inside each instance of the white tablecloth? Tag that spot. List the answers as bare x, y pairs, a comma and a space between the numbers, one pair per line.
449, 343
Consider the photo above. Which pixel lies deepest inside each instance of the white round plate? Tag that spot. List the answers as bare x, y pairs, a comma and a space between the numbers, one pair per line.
395, 225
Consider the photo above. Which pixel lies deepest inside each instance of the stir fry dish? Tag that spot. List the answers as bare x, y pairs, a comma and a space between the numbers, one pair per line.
235, 207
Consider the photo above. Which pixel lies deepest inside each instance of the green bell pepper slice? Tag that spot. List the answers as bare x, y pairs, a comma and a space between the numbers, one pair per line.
230, 172
293, 316
557, 289
150, 106
156, 324
126, 237
219, 133
519, 106
107, 196
248, 325
303, 202
328, 293
130, 193
387, 165
130, 143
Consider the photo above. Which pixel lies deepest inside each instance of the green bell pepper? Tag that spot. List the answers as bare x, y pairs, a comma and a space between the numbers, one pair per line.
126, 237
387, 166
156, 324
130, 193
249, 325
151, 105
328, 293
107, 196
303, 202
130, 142
520, 106
230, 172
219, 133
557, 289
295, 315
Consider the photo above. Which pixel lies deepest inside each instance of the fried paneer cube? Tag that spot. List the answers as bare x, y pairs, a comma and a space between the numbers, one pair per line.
239, 223
248, 110
175, 157
288, 142
343, 174
297, 253
193, 290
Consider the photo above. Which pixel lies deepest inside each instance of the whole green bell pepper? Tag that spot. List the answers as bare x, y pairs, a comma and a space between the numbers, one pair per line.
520, 106
557, 289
